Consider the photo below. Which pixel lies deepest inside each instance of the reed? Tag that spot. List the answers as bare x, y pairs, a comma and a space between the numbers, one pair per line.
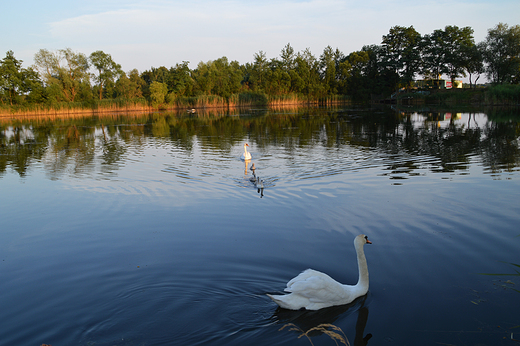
503, 94
173, 103
334, 332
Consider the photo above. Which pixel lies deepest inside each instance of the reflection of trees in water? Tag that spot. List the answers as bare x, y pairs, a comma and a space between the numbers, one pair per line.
500, 148
71, 145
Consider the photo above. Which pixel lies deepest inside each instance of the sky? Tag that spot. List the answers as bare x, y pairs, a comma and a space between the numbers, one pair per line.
153, 33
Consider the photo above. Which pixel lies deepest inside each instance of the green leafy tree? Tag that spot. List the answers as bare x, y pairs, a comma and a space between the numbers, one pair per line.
456, 43
107, 70
158, 92
328, 67
65, 71
377, 76
228, 77
502, 54
18, 85
219, 77
306, 76
277, 80
474, 61
287, 56
357, 86
129, 86
259, 70
180, 81
402, 46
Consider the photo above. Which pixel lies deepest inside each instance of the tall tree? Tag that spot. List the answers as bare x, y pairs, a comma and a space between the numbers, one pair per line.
180, 81
158, 92
259, 71
474, 61
403, 51
129, 86
357, 86
456, 43
287, 57
64, 69
306, 76
502, 53
107, 70
378, 77
17, 83
328, 70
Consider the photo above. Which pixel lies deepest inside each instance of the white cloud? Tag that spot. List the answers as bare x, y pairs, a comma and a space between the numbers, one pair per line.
155, 33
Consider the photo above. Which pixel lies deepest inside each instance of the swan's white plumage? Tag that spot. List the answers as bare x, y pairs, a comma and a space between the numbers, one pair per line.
246, 155
314, 290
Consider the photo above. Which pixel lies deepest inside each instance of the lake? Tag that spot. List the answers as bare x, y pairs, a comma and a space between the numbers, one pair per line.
146, 229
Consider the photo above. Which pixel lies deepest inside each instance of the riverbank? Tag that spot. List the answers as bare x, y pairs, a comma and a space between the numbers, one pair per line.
176, 104
499, 95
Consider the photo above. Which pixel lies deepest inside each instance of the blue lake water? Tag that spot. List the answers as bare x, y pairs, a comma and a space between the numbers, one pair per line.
146, 229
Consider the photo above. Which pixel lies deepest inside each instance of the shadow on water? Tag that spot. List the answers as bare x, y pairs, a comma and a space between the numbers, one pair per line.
314, 323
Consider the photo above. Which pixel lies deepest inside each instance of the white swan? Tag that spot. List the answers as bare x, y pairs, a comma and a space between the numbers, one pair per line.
314, 290
246, 155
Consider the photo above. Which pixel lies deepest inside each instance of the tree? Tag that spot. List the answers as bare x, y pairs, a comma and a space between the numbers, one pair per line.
17, 83
129, 87
108, 70
474, 61
403, 51
306, 76
456, 43
287, 57
328, 70
64, 69
258, 71
377, 76
357, 86
180, 81
158, 92
502, 53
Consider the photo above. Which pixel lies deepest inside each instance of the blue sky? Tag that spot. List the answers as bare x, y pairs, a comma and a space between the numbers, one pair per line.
143, 34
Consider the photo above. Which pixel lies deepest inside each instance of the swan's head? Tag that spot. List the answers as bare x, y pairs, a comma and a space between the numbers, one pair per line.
246, 145
361, 240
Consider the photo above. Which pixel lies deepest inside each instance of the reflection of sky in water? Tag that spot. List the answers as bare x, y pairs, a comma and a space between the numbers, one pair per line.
165, 238
444, 119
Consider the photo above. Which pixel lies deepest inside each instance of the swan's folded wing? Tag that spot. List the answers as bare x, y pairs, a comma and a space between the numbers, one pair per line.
316, 286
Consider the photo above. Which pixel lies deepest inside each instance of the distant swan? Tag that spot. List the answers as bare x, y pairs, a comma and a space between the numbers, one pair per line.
314, 290
246, 155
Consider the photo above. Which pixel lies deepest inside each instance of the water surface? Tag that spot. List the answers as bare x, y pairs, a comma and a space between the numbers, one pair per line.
146, 229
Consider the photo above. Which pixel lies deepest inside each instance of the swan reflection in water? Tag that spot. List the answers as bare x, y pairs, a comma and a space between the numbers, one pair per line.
314, 323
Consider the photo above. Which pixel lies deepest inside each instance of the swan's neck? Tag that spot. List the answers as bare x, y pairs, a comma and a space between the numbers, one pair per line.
362, 283
245, 150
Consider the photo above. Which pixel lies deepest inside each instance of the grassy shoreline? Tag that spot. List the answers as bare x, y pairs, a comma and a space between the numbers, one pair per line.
189, 104
498, 95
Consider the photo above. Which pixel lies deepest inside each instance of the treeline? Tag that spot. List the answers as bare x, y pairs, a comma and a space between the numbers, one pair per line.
65, 77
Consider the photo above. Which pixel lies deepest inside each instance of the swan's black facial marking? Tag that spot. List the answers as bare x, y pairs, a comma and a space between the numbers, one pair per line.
367, 241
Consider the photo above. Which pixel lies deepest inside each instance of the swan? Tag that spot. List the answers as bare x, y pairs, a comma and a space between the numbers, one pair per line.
314, 290
246, 155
